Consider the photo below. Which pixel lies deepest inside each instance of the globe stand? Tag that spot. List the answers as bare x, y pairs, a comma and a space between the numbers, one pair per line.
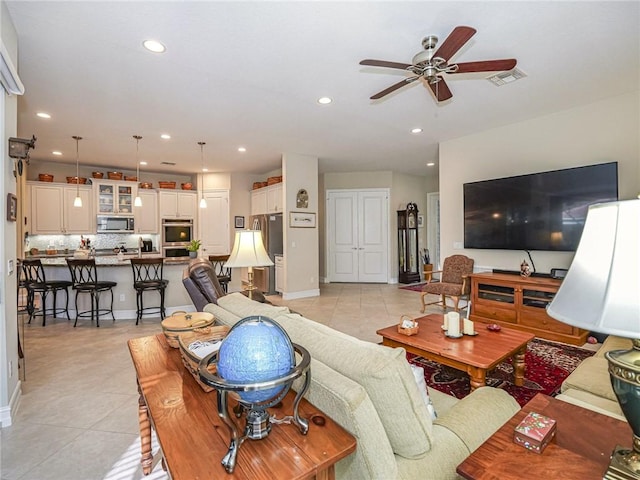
257, 420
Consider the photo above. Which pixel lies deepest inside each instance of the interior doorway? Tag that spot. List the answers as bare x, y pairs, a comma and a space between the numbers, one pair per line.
433, 228
358, 236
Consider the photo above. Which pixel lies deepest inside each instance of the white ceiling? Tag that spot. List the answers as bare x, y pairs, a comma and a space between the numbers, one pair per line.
249, 74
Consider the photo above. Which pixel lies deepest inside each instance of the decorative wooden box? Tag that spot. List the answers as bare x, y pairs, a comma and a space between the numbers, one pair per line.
535, 432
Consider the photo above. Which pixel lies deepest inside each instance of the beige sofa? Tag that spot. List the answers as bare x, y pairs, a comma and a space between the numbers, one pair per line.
370, 390
589, 385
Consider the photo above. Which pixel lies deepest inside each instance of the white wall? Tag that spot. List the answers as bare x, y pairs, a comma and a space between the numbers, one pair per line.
596, 133
9, 383
301, 245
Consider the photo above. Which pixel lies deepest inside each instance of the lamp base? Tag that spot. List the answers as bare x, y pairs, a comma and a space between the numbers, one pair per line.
624, 465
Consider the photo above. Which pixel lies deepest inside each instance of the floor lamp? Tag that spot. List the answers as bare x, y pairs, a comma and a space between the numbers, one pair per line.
601, 293
248, 251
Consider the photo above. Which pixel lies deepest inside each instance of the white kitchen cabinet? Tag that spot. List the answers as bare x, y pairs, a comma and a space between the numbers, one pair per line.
115, 198
214, 223
53, 213
267, 200
259, 201
275, 199
146, 216
280, 273
178, 204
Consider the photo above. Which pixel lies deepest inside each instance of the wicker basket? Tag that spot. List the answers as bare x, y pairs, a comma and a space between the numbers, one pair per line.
45, 177
181, 322
407, 331
130, 179
274, 180
74, 180
167, 184
114, 175
146, 185
97, 174
187, 186
257, 185
190, 359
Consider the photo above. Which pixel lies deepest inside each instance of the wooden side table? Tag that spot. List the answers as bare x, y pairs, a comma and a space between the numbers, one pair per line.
580, 450
194, 439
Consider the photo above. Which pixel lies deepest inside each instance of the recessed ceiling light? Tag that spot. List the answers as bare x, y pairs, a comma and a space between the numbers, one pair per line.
43, 115
430, 164
55, 152
142, 162
154, 46
165, 136
205, 169
242, 149
324, 100
416, 130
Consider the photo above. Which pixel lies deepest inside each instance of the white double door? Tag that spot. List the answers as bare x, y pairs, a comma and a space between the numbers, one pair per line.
358, 235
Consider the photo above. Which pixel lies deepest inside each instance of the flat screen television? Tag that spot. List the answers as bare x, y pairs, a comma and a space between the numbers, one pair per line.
540, 211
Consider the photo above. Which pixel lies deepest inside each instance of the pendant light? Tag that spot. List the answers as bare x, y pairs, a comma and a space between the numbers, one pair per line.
138, 201
77, 202
203, 202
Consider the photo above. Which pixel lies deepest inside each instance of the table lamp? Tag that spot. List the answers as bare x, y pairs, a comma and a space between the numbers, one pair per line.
601, 293
248, 251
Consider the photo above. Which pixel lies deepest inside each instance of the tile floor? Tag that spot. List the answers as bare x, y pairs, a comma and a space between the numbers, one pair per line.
78, 415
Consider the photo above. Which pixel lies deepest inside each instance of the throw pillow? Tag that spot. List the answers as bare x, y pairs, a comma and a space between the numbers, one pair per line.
418, 373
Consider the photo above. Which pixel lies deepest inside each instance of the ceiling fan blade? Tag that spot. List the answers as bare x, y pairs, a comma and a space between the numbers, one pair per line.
487, 66
393, 88
383, 63
441, 90
454, 42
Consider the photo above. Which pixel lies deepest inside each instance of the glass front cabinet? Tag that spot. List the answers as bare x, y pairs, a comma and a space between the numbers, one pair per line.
408, 256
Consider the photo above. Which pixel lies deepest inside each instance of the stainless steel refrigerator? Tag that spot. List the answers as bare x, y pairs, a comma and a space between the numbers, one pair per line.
264, 278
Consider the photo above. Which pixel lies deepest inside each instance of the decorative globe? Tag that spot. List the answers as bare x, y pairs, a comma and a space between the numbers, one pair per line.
256, 349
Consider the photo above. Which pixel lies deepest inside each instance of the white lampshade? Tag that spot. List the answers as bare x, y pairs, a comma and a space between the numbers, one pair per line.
601, 291
77, 202
248, 250
137, 202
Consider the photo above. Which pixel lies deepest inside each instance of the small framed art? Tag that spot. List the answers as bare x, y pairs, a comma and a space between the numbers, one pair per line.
302, 220
239, 222
12, 207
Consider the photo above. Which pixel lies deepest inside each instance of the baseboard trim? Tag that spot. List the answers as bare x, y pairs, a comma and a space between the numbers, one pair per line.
131, 314
303, 294
7, 413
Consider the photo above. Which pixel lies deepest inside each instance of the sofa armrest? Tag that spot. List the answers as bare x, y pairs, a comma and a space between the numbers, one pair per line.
477, 416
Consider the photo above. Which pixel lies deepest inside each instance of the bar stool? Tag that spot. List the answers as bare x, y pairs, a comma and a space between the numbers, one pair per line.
35, 281
147, 276
84, 276
223, 273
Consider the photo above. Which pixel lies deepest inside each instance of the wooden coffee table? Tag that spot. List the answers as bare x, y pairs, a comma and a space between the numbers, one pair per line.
475, 355
194, 439
580, 450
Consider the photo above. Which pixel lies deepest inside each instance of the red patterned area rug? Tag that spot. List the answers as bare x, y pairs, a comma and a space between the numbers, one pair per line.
547, 365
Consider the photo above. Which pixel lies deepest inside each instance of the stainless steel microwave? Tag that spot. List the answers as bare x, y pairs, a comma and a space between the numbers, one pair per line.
113, 224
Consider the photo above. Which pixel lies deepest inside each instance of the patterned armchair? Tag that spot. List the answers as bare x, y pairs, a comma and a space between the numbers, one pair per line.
454, 282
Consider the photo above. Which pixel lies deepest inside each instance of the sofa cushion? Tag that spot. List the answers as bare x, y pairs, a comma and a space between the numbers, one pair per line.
592, 402
242, 306
383, 372
613, 343
592, 375
221, 316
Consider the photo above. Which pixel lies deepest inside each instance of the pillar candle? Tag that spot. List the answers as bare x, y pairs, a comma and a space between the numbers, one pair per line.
453, 324
446, 322
467, 326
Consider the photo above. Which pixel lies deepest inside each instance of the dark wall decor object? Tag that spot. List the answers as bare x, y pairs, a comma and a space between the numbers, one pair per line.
239, 222
408, 256
19, 149
302, 199
12, 207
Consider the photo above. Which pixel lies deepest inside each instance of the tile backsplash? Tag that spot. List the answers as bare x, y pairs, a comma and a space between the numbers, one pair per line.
99, 241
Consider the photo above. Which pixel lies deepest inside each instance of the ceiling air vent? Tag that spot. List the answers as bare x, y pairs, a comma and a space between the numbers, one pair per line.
503, 78
168, 163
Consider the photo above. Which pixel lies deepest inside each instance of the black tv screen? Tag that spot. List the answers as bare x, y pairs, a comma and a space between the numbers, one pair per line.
540, 211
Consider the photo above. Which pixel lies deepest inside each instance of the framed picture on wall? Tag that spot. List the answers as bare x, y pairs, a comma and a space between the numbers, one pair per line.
12, 207
239, 222
420, 221
302, 220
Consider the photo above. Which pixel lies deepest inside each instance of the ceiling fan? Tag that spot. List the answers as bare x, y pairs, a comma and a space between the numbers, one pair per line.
430, 64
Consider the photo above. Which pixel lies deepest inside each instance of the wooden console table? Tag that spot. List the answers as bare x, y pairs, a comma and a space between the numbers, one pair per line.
193, 438
520, 303
580, 450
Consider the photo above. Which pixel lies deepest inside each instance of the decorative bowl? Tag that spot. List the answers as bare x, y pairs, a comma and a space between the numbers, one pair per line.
186, 186
74, 180
146, 185
114, 175
493, 327
97, 174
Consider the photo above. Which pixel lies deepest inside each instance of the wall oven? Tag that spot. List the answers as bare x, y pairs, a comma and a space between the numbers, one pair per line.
176, 235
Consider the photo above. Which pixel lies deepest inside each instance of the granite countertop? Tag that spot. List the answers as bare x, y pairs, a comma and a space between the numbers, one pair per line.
109, 260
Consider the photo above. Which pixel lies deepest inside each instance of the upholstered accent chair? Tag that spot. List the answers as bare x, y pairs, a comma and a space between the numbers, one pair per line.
454, 282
